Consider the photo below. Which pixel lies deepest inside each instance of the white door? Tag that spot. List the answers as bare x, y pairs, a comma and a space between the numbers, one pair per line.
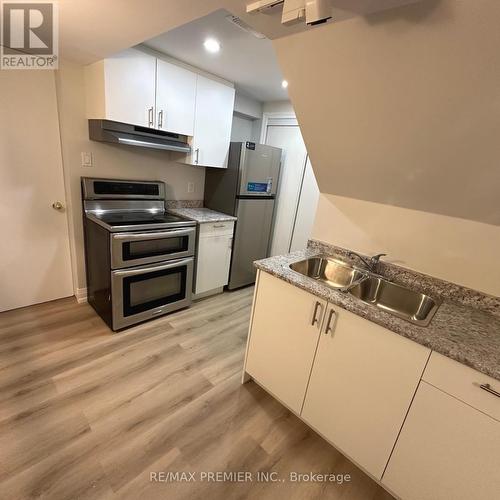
130, 88
283, 339
34, 250
306, 210
213, 121
175, 98
285, 134
361, 386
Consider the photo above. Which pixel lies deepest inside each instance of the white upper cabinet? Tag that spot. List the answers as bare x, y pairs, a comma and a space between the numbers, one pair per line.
122, 88
212, 124
140, 89
175, 98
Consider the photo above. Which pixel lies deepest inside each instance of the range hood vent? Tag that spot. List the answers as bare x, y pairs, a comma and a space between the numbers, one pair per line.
134, 135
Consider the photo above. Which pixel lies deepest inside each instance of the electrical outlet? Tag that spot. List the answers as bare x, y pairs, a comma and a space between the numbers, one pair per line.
190, 187
87, 160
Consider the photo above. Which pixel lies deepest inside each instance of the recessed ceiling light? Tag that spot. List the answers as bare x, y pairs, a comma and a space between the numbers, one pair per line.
211, 45
284, 84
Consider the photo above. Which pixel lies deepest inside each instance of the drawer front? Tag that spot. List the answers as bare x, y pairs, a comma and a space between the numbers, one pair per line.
464, 383
216, 228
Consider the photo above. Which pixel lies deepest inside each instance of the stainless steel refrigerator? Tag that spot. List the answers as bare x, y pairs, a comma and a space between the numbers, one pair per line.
246, 189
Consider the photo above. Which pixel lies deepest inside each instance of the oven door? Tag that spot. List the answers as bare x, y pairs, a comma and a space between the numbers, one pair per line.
136, 249
148, 291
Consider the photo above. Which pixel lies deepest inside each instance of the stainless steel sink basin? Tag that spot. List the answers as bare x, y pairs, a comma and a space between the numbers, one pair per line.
398, 300
332, 272
402, 302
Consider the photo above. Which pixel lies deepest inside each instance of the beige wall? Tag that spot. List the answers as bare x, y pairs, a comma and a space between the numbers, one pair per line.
109, 160
457, 250
403, 107
400, 113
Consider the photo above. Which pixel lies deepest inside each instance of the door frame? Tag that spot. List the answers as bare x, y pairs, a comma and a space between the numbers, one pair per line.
277, 118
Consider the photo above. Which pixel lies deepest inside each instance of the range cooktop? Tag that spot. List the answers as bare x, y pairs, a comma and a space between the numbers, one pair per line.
134, 221
121, 219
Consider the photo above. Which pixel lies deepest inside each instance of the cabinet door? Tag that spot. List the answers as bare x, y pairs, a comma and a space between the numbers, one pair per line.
130, 87
175, 98
212, 125
446, 450
214, 258
362, 383
283, 339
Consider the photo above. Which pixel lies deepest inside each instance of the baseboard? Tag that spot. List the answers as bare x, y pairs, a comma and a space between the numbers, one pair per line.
81, 295
197, 296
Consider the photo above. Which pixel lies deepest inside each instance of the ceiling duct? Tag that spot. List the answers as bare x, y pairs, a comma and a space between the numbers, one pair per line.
244, 26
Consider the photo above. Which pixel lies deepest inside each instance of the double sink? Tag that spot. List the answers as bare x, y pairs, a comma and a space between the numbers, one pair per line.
370, 288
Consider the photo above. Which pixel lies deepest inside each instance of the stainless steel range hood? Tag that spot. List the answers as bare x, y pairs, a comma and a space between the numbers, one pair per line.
134, 135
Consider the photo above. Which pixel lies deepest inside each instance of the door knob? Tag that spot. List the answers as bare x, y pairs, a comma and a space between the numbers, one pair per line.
57, 205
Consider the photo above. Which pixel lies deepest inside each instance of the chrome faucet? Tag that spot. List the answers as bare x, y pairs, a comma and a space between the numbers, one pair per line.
371, 264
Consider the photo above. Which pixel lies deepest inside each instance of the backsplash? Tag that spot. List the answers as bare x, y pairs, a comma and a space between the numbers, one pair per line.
434, 287
184, 203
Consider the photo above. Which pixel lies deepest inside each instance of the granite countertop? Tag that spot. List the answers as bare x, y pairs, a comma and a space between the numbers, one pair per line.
459, 331
202, 215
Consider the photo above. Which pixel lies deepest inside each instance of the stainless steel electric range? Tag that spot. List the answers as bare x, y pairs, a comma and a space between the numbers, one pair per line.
139, 258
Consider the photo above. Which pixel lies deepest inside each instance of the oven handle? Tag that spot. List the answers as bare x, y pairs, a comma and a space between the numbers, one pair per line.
152, 269
153, 236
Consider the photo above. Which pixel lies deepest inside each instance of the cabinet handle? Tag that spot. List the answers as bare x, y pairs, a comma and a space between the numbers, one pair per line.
197, 156
219, 225
315, 319
150, 116
488, 388
329, 326
160, 119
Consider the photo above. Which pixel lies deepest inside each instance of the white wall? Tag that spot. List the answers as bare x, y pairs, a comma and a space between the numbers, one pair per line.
246, 119
242, 129
109, 160
246, 106
456, 250
278, 107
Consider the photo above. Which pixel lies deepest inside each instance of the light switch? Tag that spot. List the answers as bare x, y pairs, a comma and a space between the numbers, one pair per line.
190, 187
87, 160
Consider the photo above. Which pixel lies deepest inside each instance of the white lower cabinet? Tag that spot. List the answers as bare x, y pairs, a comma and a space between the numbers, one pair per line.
425, 426
213, 256
447, 450
449, 447
283, 339
362, 383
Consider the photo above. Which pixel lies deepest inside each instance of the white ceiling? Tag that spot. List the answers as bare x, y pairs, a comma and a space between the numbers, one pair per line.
247, 61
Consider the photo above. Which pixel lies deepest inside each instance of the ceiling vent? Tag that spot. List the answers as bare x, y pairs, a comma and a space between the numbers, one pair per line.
244, 26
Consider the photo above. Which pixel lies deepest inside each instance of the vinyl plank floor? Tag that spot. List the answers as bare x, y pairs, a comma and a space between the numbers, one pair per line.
87, 413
